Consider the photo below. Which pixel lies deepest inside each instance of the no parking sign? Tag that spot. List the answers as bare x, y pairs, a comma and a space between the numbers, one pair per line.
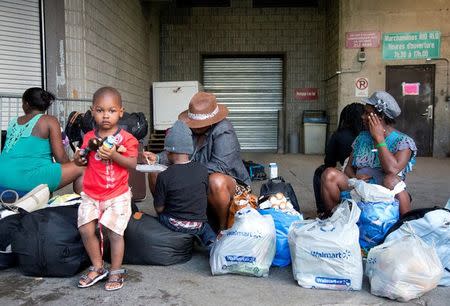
362, 87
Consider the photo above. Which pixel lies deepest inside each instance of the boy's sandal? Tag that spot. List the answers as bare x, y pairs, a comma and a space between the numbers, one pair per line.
115, 280
88, 282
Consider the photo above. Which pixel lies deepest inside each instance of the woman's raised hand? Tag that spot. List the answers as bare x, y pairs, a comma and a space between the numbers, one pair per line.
376, 128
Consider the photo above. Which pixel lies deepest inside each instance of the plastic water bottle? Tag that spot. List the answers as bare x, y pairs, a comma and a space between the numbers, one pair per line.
273, 170
109, 142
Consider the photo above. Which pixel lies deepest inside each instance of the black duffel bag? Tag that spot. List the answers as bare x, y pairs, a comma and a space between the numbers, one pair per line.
147, 242
8, 227
133, 123
48, 243
276, 185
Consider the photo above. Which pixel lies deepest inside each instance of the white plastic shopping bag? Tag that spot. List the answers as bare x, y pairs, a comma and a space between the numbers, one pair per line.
403, 269
247, 248
33, 200
434, 229
325, 253
365, 192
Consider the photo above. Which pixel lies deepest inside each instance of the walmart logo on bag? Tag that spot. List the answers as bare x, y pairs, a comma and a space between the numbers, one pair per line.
236, 258
333, 281
341, 255
245, 234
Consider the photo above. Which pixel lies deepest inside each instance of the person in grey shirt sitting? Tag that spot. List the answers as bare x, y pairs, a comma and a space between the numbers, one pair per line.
215, 146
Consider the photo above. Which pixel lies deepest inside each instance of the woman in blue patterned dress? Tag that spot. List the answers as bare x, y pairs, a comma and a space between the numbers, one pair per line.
381, 154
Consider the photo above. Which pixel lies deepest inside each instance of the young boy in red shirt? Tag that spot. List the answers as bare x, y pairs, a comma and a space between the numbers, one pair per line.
106, 196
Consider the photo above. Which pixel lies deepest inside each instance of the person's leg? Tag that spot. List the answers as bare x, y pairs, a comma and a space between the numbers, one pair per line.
207, 235
71, 173
317, 190
152, 176
221, 190
403, 198
333, 182
117, 249
115, 218
92, 246
116, 277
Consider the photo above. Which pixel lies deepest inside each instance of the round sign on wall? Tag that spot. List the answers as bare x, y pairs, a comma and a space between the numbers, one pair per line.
362, 87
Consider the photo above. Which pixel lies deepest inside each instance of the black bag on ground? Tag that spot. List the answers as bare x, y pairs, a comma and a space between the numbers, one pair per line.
48, 243
255, 171
8, 227
133, 123
147, 242
276, 185
411, 215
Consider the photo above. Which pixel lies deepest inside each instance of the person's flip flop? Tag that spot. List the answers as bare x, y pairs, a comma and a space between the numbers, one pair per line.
115, 277
101, 274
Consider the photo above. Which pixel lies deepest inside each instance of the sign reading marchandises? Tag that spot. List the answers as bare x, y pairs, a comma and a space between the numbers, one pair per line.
411, 45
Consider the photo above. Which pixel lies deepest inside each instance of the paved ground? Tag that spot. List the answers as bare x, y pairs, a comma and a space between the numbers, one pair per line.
192, 284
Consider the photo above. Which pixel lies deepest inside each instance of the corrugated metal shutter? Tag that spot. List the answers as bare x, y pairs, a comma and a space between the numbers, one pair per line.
20, 46
252, 89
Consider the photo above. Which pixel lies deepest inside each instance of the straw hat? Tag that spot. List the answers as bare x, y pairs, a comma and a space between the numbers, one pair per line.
203, 111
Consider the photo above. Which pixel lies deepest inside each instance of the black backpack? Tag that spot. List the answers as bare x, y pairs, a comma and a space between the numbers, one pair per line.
73, 129
48, 243
133, 123
255, 171
276, 185
412, 215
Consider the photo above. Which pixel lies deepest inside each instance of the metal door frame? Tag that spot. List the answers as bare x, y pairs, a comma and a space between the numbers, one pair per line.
433, 80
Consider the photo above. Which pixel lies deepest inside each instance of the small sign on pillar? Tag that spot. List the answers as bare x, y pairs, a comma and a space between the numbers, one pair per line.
306, 94
362, 87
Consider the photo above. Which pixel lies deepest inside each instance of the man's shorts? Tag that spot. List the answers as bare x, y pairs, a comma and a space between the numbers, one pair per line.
114, 213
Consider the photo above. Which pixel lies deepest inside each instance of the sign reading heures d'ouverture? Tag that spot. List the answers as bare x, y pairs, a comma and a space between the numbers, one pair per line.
411, 45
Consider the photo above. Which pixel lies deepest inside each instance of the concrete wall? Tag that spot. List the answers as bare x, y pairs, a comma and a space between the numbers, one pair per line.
297, 33
397, 16
332, 61
111, 43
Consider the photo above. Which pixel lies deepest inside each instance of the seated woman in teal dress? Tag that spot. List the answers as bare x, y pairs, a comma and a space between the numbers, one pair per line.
34, 153
381, 154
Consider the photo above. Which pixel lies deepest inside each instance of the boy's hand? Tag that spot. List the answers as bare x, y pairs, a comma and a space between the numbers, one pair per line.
105, 153
150, 157
78, 159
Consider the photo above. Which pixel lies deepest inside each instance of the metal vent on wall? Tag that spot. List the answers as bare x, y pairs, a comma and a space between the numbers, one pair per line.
20, 46
252, 89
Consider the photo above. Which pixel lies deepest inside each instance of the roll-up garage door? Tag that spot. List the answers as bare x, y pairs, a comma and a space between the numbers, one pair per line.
20, 46
252, 89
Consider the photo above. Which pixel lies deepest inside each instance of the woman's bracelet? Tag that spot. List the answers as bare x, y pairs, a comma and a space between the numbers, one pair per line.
381, 144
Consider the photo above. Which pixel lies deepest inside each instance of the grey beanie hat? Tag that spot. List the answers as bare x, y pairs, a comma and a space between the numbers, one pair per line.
179, 139
384, 103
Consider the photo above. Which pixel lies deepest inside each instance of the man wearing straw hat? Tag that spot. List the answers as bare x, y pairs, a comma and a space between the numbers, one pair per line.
216, 146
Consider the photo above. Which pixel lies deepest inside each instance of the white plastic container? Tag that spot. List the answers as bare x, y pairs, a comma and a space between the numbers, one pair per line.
273, 170
314, 138
170, 99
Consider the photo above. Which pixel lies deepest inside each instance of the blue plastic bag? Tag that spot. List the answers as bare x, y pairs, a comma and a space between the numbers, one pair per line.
282, 221
375, 220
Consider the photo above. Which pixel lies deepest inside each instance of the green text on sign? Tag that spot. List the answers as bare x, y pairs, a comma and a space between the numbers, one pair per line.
411, 45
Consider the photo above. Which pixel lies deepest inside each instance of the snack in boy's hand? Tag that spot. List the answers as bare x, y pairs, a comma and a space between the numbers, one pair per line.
93, 145
109, 142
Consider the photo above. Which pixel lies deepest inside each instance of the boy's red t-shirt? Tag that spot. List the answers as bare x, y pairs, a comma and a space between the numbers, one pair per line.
105, 179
